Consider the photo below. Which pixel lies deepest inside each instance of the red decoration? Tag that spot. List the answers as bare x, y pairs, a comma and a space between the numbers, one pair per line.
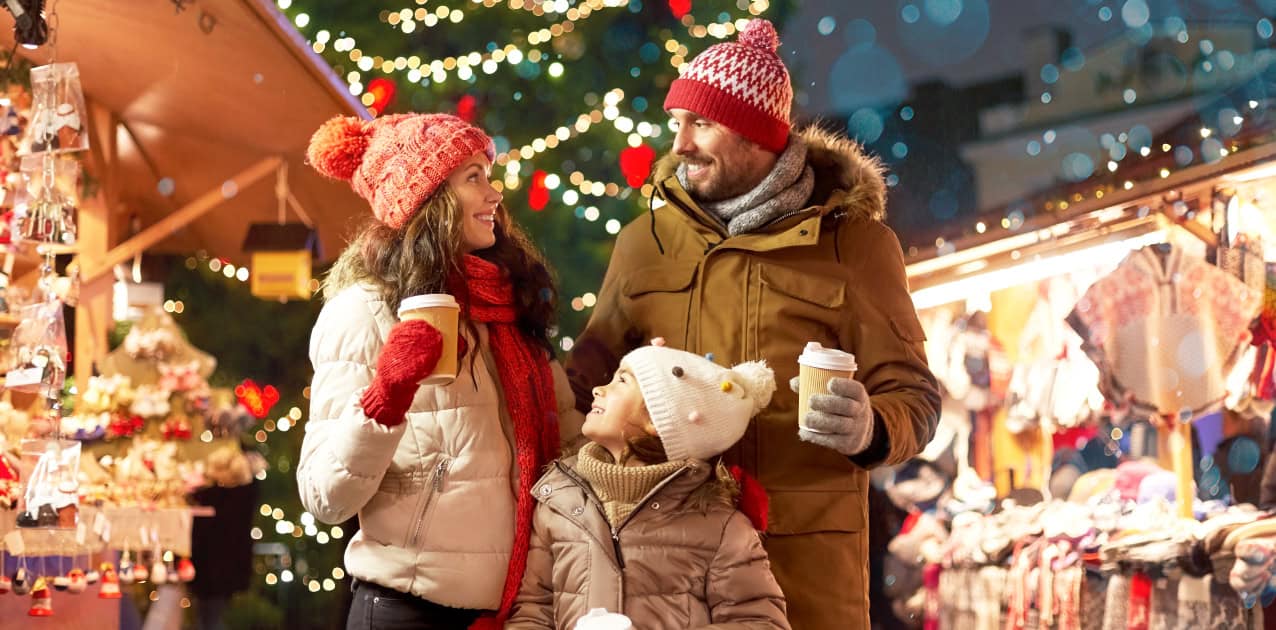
382, 91
122, 425
635, 163
679, 8
467, 108
537, 193
256, 399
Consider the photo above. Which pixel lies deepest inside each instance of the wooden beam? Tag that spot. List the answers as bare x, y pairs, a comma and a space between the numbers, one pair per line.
146, 159
179, 218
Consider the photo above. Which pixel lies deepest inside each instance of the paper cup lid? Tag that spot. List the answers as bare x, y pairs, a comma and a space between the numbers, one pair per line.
817, 356
431, 300
600, 619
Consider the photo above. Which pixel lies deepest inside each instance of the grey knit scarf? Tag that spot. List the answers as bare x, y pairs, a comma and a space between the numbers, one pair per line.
783, 192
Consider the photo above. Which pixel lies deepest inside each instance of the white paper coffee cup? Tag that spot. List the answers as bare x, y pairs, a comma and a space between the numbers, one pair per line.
441, 311
816, 366
600, 619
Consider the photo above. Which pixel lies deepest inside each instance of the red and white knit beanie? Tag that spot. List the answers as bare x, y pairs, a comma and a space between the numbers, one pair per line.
742, 85
699, 408
395, 162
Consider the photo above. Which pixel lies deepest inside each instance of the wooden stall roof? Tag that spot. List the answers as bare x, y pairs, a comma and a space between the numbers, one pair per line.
202, 91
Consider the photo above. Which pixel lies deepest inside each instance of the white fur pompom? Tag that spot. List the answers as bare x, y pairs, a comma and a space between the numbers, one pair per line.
759, 380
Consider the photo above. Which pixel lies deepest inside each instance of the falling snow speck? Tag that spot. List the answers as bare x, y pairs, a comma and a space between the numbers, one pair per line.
1265, 29
899, 150
1034, 148
906, 113
1105, 14
826, 25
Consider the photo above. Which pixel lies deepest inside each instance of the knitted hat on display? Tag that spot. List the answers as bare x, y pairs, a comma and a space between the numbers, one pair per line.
741, 85
700, 409
395, 162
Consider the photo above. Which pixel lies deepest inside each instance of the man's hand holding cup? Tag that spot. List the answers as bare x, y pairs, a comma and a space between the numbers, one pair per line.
834, 410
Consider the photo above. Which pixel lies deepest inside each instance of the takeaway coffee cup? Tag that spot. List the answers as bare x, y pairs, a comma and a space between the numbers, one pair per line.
441, 311
816, 365
600, 619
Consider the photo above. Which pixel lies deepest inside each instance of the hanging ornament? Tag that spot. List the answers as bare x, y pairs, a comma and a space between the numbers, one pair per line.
679, 8
110, 583
57, 111
186, 570
92, 577
256, 399
382, 91
159, 572
537, 193
467, 108
45, 202
635, 164
78, 581
140, 572
21, 581
41, 600
61, 583
126, 573
6, 584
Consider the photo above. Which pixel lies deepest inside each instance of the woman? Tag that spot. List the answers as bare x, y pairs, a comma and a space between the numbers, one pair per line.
440, 475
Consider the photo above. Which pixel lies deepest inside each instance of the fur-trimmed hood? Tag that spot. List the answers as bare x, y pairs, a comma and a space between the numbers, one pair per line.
847, 178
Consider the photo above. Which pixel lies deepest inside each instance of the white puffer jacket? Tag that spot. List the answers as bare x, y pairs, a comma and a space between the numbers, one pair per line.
434, 495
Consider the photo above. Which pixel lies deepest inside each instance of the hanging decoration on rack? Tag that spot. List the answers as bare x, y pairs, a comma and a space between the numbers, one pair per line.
282, 253
45, 208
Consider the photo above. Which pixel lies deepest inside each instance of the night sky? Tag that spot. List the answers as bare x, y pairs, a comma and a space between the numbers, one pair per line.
984, 41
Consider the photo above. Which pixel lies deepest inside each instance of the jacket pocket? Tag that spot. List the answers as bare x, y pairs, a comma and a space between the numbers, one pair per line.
789, 308
808, 512
657, 299
433, 487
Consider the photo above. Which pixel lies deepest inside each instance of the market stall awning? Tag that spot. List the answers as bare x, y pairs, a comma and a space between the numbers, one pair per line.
201, 94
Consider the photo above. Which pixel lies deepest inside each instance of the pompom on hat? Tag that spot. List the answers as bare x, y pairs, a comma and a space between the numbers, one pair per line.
395, 162
699, 408
741, 85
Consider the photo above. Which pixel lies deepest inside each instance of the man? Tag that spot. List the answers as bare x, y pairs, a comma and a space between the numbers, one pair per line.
768, 240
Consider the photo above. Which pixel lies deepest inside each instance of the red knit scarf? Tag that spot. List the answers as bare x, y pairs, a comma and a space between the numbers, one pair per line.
523, 367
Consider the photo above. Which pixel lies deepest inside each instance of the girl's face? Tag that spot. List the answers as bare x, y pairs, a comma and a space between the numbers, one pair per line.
478, 200
618, 413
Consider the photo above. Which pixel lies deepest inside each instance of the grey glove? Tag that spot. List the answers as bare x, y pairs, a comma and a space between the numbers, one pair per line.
841, 419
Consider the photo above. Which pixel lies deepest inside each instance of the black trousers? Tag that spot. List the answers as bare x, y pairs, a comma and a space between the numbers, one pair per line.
379, 608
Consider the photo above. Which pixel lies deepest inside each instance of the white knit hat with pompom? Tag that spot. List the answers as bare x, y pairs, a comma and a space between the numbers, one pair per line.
699, 408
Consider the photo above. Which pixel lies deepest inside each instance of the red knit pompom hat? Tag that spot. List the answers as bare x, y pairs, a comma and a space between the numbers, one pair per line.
395, 162
742, 85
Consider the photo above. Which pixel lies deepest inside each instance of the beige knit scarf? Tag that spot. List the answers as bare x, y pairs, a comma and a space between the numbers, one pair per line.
619, 487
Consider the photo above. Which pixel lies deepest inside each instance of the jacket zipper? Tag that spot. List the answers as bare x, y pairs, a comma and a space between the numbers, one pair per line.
615, 529
435, 487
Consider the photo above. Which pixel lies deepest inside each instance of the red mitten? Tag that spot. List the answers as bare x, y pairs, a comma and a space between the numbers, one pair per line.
409, 355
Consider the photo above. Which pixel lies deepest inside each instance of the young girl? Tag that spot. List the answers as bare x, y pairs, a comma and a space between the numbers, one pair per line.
439, 475
641, 522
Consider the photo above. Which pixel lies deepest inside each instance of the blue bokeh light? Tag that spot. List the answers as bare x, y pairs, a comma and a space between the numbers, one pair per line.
943, 12
865, 125
1077, 167
939, 41
1135, 13
1049, 73
866, 76
826, 25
